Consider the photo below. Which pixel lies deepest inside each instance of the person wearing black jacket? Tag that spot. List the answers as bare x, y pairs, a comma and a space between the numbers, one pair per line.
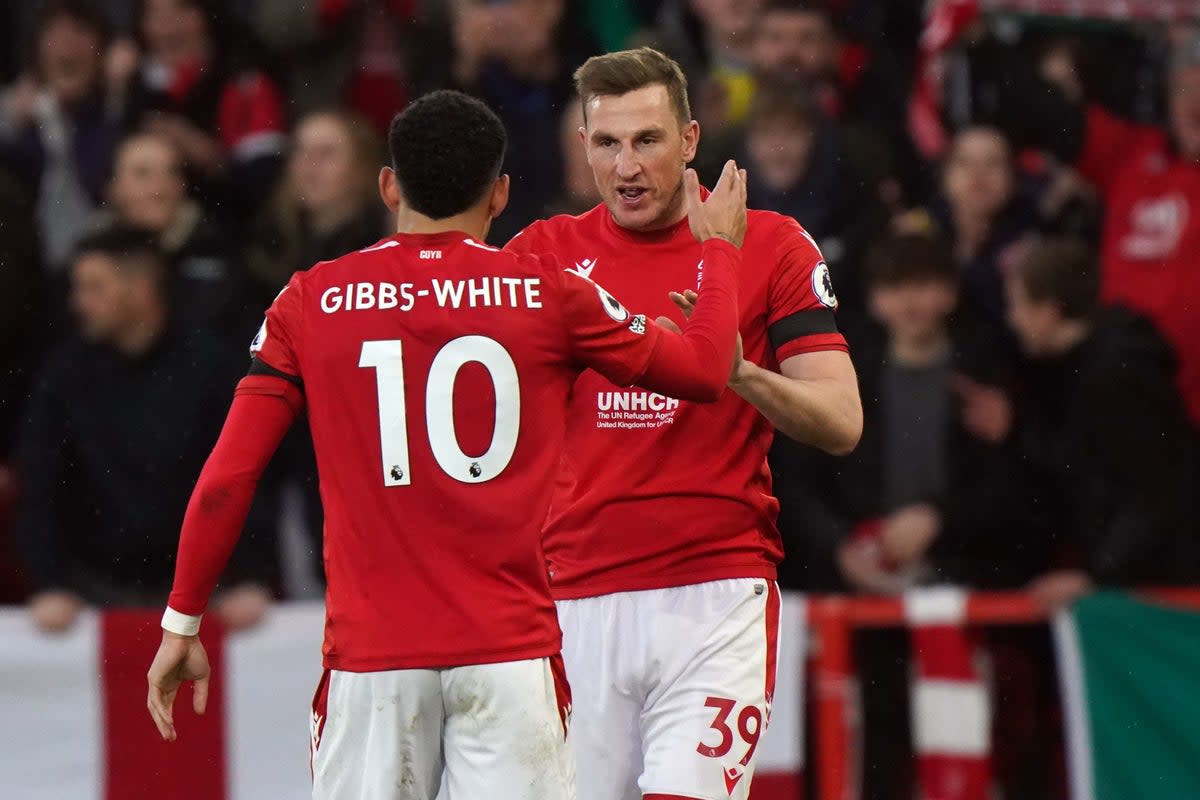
119, 424
934, 491
1105, 429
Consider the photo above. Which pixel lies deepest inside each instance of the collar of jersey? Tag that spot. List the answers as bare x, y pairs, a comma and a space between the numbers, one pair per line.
441, 237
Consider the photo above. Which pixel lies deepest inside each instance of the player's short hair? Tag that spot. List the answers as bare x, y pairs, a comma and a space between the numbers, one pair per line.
1061, 270
624, 71
785, 101
129, 247
905, 258
447, 149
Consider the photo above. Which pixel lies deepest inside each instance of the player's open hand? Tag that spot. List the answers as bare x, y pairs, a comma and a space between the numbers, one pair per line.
723, 214
179, 659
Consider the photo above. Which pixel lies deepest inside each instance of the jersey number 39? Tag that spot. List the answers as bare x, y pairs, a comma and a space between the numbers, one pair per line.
386, 357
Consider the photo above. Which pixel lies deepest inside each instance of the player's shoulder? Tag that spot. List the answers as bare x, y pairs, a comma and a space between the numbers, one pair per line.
779, 234
546, 232
347, 262
772, 224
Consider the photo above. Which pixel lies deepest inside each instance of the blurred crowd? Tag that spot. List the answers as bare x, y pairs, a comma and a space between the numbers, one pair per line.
1013, 247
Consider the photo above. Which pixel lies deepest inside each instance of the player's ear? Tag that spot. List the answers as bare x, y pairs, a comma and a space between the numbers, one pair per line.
499, 199
691, 140
389, 189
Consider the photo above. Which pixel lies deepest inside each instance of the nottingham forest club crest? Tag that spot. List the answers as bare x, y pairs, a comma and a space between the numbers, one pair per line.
822, 284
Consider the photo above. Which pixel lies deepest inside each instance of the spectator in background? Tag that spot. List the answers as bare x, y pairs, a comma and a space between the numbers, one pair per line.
932, 494
117, 429
205, 280
58, 123
358, 55
1149, 181
518, 56
1105, 430
795, 41
713, 42
196, 87
326, 205
934, 489
24, 327
796, 166
981, 213
579, 186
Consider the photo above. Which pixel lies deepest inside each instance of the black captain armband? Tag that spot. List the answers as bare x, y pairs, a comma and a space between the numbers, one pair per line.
258, 367
801, 324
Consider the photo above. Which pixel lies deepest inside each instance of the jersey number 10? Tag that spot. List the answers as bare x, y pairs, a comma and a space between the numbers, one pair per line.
386, 357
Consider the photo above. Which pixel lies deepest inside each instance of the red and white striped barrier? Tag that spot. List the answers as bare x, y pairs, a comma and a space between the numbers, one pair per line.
76, 726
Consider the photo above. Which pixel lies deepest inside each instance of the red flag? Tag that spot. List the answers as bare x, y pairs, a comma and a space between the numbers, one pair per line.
945, 21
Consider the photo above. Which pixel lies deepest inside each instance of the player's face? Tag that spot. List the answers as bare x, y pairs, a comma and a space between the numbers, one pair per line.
1185, 110
638, 151
101, 297
1034, 322
979, 176
322, 164
147, 187
914, 312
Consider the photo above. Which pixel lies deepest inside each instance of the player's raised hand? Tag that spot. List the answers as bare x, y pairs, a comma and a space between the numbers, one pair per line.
723, 214
179, 659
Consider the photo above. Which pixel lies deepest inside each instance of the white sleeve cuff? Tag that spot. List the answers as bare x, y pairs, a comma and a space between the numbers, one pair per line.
182, 624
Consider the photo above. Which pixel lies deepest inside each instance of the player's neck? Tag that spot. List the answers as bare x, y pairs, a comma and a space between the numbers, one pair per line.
474, 222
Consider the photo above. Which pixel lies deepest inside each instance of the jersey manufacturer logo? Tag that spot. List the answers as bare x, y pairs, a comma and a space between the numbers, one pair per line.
822, 284
638, 325
584, 268
732, 776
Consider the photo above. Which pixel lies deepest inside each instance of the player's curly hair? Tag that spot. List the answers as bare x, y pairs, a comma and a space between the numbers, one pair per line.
446, 149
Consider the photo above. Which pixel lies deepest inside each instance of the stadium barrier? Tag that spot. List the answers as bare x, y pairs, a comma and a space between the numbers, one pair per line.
832, 621
78, 729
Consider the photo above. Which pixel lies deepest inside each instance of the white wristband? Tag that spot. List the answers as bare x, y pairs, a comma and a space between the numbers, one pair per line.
182, 624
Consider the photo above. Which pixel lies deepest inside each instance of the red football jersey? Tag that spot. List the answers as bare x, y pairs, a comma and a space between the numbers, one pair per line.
653, 491
1151, 236
435, 372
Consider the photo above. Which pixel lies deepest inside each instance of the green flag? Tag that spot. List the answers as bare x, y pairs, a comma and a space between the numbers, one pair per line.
1130, 675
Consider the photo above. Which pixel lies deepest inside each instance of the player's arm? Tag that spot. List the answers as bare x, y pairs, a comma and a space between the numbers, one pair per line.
264, 406
814, 397
215, 514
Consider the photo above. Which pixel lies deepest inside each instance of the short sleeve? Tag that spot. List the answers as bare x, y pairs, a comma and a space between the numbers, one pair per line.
602, 333
800, 297
275, 365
